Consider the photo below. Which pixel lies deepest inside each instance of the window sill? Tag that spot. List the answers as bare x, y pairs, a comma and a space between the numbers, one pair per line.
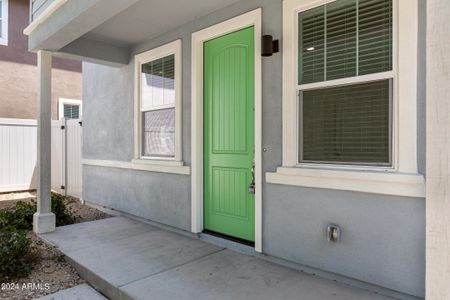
151, 166
3, 42
376, 182
157, 162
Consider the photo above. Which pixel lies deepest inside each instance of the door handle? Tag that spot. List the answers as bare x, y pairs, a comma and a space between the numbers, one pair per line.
251, 187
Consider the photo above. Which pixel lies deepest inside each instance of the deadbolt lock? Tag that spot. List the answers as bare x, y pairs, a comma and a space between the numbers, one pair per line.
251, 188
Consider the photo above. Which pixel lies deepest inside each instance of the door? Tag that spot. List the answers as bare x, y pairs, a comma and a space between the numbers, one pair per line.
229, 204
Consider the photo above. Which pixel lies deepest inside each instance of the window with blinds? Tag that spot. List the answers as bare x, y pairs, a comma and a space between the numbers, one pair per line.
347, 124
71, 111
350, 123
345, 38
157, 104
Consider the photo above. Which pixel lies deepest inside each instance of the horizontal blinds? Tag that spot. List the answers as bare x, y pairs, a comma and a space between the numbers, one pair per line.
375, 36
312, 45
346, 124
158, 83
158, 132
341, 31
71, 111
345, 38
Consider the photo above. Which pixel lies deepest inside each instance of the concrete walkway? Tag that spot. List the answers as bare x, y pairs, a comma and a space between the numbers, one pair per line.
79, 292
126, 259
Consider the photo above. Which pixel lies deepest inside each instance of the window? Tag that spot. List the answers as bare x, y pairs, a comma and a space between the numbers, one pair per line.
345, 38
346, 121
69, 108
158, 107
350, 96
158, 100
71, 111
3, 22
347, 124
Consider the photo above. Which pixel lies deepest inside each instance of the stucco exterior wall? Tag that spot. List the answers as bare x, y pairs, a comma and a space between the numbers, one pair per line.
383, 237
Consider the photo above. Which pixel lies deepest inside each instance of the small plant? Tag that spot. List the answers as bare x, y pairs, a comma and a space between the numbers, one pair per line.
19, 217
63, 214
16, 254
24, 211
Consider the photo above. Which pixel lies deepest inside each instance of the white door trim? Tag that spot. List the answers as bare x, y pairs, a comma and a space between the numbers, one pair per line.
252, 18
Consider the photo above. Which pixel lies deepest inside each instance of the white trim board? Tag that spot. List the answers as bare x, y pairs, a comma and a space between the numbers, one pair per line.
44, 16
252, 18
13, 121
389, 183
182, 170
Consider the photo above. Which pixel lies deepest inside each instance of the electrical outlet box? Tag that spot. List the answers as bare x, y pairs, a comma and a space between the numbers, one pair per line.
333, 233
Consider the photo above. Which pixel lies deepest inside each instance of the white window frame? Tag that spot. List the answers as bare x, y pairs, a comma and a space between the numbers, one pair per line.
63, 101
5, 23
140, 59
402, 177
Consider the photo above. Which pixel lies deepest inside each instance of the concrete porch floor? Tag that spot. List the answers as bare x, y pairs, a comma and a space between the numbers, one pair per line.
127, 259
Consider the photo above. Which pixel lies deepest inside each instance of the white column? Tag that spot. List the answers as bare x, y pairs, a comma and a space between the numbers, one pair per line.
438, 151
44, 219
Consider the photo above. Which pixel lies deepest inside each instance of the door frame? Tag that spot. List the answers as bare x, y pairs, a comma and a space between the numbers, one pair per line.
252, 18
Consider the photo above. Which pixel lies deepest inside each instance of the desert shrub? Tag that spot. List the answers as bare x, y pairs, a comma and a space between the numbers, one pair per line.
63, 215
16, 254
24, 211
6, 218
19, 217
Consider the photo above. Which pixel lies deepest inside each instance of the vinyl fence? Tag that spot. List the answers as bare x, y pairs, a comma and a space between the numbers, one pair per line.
18, 147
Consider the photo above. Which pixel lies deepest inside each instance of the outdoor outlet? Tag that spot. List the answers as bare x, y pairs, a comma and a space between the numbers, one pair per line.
333, 233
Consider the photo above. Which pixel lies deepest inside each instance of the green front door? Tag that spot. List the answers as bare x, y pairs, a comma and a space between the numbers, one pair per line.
229, 206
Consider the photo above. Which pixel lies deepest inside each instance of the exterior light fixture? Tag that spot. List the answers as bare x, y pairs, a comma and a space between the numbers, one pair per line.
269, 46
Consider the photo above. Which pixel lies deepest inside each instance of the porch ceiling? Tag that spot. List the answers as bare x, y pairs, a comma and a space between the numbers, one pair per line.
103, 31
148, 19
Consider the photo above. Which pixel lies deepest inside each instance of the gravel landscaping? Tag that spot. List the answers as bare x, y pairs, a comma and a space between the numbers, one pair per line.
51, 273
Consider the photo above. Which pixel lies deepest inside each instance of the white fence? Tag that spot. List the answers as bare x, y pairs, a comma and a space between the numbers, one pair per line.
66, 157
18, 145
17, 154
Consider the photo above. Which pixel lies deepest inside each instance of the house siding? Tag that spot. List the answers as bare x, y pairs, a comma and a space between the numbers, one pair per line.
383, 239
38, 7
18, 71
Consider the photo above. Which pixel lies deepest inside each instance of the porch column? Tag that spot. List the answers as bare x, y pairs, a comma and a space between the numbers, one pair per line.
44, 219
438, 151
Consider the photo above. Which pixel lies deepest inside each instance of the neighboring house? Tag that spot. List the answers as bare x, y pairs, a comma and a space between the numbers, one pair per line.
18, 71
187, 125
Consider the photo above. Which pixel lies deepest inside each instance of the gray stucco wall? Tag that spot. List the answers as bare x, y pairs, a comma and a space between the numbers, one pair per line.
109, 135
383, 237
